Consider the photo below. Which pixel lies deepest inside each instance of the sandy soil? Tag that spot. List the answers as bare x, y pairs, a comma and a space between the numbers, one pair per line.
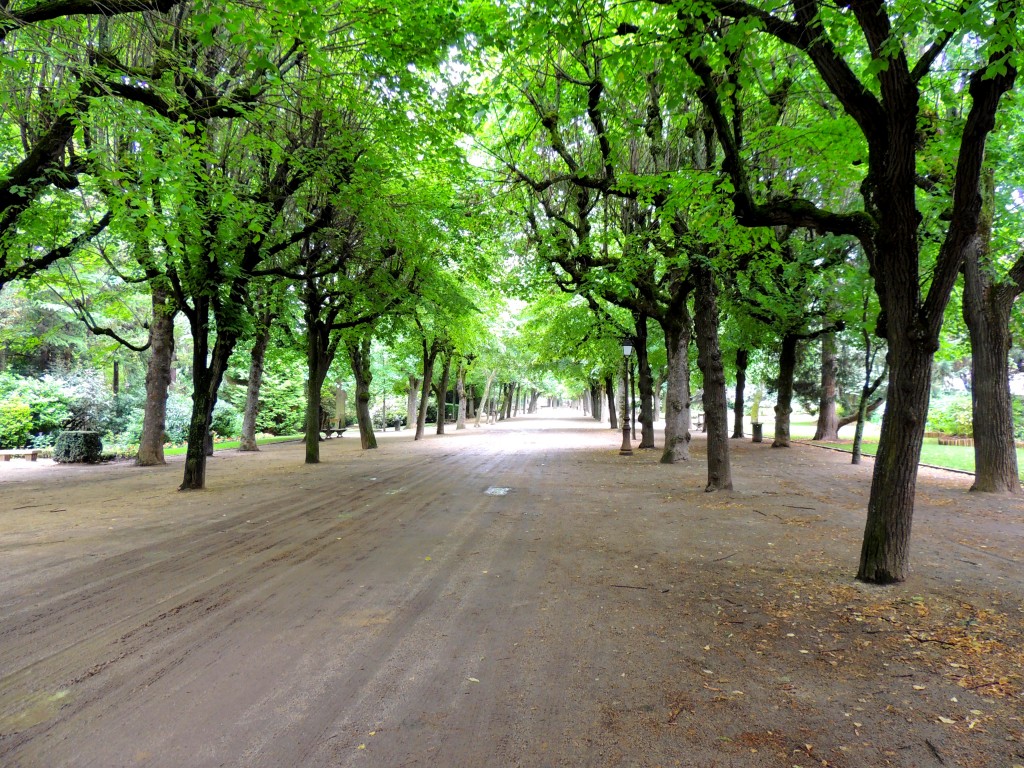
384, 609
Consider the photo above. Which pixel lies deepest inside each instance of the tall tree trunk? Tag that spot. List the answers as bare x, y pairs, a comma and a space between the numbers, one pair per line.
534, 401
677, 393
828, 419
659, 385
158, 377
430, 354
995, 454
784, 403
510, 398
198, 429
709, 358
645, 383
442, 394
482, 410
886, 548
252, 390
987, 306
319, 356
207, 375
411, 398
471, 402
460, 391
609, 388
359, 358
742, 360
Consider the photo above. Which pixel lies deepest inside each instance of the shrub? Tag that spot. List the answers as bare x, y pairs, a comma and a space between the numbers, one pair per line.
178, 416
15, 423
227, 421
42, 440
78, 446
951, 416
394, 416
47, 403
89, 401
1018, 417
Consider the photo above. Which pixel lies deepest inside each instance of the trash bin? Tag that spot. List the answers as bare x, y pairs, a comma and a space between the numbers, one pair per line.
756, 427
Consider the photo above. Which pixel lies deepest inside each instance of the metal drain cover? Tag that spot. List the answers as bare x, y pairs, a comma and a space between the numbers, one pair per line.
496, 491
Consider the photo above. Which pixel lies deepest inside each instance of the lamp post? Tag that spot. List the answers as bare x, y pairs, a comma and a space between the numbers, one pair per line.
627, 351
632, 398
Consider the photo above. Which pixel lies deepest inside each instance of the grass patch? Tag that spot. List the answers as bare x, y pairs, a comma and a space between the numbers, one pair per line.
179, 450
947, 456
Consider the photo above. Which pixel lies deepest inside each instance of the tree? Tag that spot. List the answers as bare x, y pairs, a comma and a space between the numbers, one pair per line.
988, 300
884, 99
56, 88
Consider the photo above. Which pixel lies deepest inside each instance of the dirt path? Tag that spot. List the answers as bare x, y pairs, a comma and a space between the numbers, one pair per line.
384, 609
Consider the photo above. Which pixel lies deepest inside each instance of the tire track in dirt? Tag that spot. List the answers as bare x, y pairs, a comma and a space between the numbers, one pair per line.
257, 560
607, 612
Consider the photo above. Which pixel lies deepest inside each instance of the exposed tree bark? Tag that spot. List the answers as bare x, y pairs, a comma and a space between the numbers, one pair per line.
828, 420
677, 392
872, 406
867, 390
460, 391
885, 550
207, 373
609, 388
511, 390
359, 358
659, 385
742, 360
321, 347
158, 376
534, 401
441, 393
482, 410
255, 383
411, 400
645, 383
709, 358
596, 400
784, 401
987, 306
35, 13
430, 353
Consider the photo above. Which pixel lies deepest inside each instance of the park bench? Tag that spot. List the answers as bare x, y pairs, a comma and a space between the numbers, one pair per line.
330, 427
700, 420
7, 453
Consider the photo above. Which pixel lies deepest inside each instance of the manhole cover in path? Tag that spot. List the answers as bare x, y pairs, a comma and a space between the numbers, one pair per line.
496, 491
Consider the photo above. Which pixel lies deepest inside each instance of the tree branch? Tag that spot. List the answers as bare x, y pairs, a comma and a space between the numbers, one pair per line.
58, 9
30, 267
986, 92
873, 406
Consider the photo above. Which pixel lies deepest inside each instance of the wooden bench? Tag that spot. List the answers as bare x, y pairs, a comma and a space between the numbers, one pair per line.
32, 453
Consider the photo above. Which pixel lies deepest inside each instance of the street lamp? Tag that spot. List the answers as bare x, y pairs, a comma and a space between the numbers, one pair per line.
627, 351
